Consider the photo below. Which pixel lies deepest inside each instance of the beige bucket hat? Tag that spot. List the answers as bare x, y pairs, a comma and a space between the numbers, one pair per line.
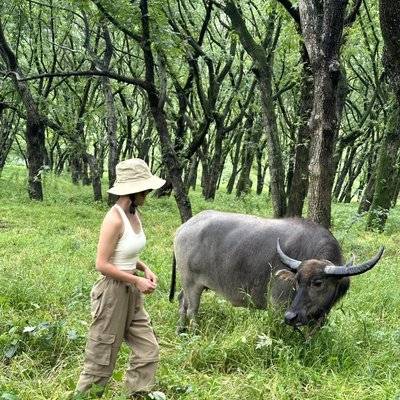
134, 176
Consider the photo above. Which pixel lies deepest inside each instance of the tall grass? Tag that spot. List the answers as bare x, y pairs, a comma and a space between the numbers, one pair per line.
47, 255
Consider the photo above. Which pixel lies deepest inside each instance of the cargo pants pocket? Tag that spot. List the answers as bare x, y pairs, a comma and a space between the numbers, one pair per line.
99, 349
95, 299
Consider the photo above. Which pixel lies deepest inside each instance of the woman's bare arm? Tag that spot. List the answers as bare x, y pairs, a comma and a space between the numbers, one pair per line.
110, 232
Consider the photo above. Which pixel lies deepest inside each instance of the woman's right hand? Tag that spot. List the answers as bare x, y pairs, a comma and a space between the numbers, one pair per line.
144, 285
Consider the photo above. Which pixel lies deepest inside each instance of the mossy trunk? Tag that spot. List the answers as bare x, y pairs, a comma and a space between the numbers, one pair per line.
385, 175
389, 13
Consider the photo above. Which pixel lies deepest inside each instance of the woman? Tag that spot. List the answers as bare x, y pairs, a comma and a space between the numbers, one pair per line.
117, 298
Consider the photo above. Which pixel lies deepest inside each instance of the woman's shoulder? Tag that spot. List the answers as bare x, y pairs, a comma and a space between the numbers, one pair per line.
113, 218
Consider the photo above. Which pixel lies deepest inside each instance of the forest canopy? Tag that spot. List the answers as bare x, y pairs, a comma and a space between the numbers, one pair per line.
297, 102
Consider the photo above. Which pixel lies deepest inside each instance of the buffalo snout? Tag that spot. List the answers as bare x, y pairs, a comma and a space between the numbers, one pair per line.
296, 318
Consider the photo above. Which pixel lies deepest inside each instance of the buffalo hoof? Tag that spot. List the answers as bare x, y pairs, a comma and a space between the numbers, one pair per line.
181, 329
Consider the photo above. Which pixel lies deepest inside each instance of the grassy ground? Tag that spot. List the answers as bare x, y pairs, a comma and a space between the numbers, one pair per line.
47, 255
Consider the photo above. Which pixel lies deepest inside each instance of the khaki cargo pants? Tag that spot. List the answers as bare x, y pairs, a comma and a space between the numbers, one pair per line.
118, 314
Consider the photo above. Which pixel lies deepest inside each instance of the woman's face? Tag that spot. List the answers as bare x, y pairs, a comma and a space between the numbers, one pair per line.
138, 199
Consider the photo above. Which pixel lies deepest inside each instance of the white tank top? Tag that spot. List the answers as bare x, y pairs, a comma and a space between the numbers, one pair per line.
126, 252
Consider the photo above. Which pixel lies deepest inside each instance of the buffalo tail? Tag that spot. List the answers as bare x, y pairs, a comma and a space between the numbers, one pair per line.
173, 279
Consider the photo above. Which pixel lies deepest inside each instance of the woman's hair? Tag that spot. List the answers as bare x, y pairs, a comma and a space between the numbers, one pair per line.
132, 207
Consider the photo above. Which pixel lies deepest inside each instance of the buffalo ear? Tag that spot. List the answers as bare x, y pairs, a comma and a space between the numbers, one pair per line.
342, 288
285, 275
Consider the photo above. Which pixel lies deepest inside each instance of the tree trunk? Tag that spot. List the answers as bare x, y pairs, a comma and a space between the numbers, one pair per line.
263, 72
95, 173
215, 167
261, 170
276, 168
156, 102
275, 162
145, 145
35, 140
251, 141
7, 134
34, 134
62, 157
299, 184
385, 175
396, 190
343, 172
111, 117
324, 130
85, 173
368, 194
111, 137
235, 163
322, 26
387, 171
75, 166
171, 161
191, 174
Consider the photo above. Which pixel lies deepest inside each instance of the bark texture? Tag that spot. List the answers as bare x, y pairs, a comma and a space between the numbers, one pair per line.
386, 174
322, 27
34, 133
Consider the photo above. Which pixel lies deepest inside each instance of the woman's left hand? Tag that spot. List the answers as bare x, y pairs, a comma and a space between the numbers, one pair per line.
149, 274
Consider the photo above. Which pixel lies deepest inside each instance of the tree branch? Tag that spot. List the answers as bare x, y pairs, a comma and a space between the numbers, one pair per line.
109, 74
115, 22
349, 20
255, 50
292, 10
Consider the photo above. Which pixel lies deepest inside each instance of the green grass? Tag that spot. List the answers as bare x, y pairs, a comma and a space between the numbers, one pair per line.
47, 253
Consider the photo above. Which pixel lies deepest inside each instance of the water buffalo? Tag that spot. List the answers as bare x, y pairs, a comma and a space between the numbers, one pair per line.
242, 257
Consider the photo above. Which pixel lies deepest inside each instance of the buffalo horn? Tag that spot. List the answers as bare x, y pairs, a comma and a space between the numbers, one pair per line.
290, 262
355, 269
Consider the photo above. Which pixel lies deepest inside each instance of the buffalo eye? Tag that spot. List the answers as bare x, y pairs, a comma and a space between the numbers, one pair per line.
317, 283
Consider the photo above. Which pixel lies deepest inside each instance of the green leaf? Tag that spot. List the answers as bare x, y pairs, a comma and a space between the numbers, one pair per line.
29, 329
10, 351
263, 341
72, 335
157, 396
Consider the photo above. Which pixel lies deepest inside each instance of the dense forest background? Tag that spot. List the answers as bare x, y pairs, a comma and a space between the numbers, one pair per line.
299, 101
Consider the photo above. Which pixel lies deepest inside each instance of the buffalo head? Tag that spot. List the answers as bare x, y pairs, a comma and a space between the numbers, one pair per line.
319, 285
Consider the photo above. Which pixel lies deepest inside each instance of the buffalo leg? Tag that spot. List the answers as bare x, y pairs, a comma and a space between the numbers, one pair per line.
189, 301
193, 300
182, 312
